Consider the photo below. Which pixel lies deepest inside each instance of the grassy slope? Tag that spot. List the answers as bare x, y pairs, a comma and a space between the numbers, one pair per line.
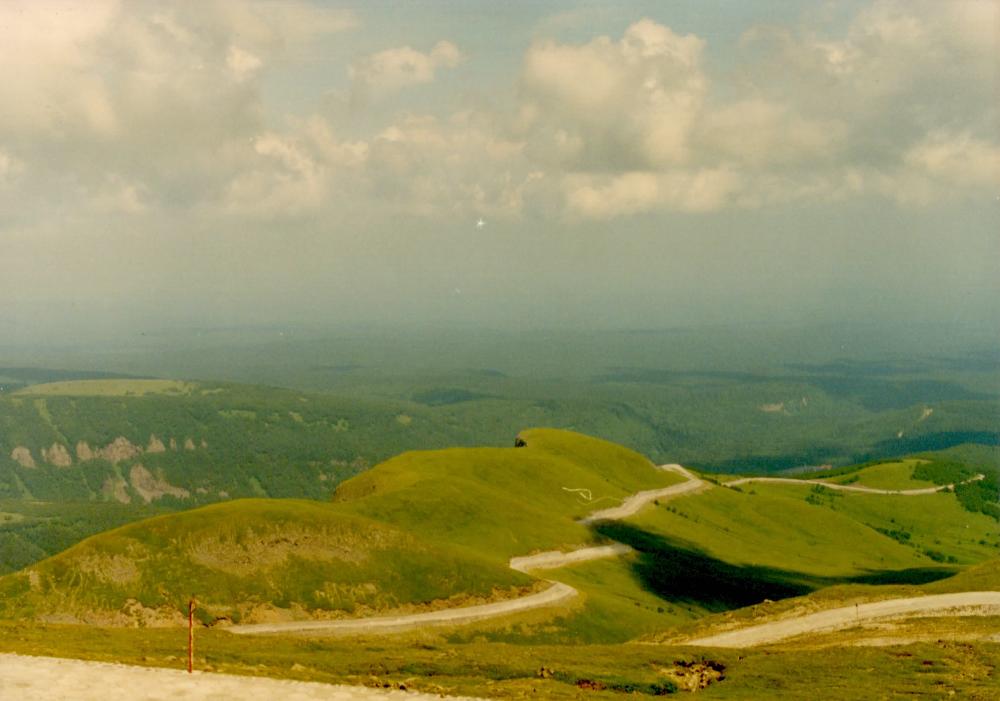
502, 501
889, 475
421, 528
934, 523
776, 530
236, 556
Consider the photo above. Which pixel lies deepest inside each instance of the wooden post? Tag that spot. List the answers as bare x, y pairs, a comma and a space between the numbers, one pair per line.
191, 635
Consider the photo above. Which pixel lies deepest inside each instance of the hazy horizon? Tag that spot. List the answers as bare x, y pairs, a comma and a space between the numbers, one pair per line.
530, 165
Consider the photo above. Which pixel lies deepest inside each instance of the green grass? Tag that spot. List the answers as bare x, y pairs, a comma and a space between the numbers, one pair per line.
777, 529
613, 607
934, 526
109, 388
421, 528
429, 663
889, 475
241, 557
502, 501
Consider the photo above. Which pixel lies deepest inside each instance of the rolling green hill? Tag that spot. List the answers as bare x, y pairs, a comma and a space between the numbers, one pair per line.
248, 560
421, 529
436, 528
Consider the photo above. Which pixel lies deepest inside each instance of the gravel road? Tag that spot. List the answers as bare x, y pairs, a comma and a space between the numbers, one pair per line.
853, 487
970, 603
553, 595
55, 679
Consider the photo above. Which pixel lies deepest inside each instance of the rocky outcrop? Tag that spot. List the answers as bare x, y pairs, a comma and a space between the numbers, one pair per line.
119, 449
57, 455
84, 452
188, 444
151, 487
155, 445
116, 488
22, 456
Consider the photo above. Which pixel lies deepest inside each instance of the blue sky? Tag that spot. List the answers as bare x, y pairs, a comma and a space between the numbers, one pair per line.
636, 163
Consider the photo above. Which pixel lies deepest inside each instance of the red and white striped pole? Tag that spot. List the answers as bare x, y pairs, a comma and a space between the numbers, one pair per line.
191, 635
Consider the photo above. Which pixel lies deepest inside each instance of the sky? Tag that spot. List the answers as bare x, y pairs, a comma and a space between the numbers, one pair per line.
634, 164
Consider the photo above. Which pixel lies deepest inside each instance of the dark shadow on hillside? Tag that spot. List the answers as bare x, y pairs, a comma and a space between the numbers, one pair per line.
681, 572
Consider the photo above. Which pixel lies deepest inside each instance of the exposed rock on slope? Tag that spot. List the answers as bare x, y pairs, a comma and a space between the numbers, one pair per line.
23, 456
151, 487
57, 455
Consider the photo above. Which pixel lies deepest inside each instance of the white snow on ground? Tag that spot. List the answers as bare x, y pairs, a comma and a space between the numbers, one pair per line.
24, 678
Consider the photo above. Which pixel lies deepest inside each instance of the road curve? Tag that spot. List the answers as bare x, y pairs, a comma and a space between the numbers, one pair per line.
556, 593
852, 487
970, 603
638, 500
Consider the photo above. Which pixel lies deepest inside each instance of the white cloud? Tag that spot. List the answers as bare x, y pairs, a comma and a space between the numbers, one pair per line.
630, 103
165, 95
117, 196
242, 63
393, 69
605, 197
10, 168
759, 133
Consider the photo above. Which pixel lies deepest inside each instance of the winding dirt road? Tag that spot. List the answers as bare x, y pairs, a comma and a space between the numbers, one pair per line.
557, 593
853, 487
969, 603
57, 679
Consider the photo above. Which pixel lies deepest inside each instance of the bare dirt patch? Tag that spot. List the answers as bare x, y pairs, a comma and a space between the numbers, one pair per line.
249, 552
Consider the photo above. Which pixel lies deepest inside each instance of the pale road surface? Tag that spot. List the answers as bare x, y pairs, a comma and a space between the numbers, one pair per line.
552, 559
969, 603
634, 503
24, 678
557, 593
852, 487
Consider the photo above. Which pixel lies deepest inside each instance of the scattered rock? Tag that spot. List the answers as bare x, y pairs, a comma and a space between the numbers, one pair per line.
544, 673
23, 456
695, 675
